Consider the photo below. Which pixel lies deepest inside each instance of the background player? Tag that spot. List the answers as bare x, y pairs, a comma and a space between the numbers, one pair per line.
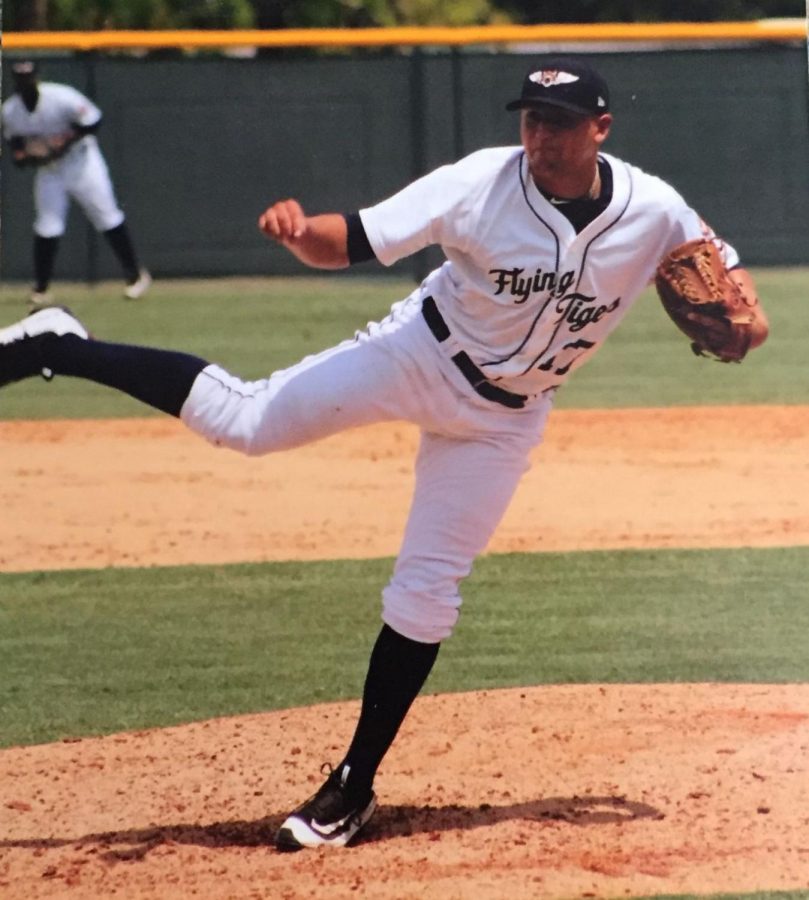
52, 126
548, 244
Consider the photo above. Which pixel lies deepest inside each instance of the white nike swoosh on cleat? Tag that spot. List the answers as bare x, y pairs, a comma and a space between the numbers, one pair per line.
297, 833
328, 829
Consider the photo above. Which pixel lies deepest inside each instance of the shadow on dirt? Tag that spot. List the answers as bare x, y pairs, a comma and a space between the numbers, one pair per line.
396, 821
389, 822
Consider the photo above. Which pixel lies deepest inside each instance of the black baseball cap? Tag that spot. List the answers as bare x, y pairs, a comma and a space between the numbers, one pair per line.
566, 82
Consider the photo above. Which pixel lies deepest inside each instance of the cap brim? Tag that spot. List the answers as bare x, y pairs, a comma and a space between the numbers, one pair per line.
534, 103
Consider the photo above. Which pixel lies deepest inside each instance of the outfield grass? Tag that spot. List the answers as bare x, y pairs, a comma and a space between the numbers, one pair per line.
254, 326
94, 652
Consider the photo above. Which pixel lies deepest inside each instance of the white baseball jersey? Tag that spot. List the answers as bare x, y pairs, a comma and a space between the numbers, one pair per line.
523, 294
81, 173
58, 108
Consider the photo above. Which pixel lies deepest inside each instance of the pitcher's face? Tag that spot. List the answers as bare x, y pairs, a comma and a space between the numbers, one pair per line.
558, 142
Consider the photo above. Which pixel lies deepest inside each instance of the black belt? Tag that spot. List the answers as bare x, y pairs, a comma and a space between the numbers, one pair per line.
436, 324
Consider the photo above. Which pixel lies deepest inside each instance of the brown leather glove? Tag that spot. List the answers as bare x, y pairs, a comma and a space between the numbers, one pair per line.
704, 302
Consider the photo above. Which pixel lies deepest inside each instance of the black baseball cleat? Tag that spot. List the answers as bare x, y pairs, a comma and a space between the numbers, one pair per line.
329, 818
21, 343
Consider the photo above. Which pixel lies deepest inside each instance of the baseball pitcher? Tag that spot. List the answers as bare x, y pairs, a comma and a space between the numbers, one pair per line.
547, 244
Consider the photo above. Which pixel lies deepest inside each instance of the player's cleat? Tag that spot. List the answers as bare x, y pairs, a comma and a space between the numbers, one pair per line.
139, 286
21, 343
329, 818
40, 299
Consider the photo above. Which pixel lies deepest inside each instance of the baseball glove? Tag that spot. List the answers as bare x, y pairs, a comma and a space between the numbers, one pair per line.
39, 151
704, 302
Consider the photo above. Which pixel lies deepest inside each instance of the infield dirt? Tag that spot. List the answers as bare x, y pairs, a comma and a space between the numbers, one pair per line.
142, 492
548, 792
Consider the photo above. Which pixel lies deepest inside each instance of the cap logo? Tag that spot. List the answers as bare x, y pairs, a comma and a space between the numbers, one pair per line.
551, 77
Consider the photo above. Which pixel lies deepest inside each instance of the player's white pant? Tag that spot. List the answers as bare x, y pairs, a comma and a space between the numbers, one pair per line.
473, 452
82, 175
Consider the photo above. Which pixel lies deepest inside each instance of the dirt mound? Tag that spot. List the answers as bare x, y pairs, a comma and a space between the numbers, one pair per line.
552, 792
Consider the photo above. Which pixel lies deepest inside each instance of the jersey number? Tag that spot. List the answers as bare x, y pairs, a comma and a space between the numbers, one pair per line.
560, 363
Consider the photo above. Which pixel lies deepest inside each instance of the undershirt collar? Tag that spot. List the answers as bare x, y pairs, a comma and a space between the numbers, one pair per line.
581, 211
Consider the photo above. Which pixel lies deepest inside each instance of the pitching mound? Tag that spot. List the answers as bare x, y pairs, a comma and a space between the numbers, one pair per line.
548, 792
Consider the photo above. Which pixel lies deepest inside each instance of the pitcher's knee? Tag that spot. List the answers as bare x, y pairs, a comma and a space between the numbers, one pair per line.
252, 417
227, 411
426, 617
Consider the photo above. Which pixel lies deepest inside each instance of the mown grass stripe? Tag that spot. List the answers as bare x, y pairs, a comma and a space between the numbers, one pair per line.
97, 651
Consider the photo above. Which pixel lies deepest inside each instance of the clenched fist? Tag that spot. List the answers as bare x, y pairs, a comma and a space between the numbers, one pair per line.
319, 241
284, 221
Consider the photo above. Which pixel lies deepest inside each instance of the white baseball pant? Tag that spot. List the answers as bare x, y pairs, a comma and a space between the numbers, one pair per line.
472, 455
82, 175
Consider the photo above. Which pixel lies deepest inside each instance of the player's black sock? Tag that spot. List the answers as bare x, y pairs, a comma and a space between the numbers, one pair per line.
397, 672
161, 378
44, 258
121, 242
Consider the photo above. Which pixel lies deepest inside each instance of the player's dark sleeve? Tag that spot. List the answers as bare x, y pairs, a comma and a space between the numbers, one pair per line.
82, 130
359, 247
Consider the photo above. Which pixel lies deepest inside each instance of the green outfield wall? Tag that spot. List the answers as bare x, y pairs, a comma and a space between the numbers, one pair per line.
198, 146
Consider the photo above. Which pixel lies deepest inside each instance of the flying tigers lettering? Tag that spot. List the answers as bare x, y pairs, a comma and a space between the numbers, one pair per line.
515, 283
579, 310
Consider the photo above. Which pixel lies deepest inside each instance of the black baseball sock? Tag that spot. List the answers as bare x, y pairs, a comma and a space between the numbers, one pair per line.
44, 258
121, 242
161, 378
397, 672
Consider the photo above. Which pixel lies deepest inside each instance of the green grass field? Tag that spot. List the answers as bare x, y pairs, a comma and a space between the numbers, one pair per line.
97, 651
254, 326
93, 652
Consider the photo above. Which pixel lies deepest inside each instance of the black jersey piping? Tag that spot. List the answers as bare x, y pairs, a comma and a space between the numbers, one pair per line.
589, 244
609, 225
524, 187
595, 237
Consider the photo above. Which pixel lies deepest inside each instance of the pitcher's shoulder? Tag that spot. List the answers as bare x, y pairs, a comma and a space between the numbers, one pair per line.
646, 188
490, 159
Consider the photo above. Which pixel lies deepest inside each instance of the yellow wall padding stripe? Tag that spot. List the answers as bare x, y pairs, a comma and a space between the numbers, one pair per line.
762, 30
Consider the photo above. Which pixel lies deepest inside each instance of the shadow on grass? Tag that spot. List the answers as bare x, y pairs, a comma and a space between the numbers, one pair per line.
389, 822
